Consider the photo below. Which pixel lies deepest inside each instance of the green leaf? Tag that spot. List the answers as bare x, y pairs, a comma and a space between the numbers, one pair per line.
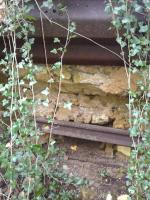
30, 17
46, 91
45, 103
56, 65
56, 40
50, 119
68, 105
54, 51
143, 29
47, 4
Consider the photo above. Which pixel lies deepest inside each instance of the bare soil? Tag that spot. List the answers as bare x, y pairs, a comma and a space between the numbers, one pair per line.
106, 172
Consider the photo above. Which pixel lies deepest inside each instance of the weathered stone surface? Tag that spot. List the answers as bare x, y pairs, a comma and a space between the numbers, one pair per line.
84, 100
43, 75
66, 73
84, 117
112, 81
124, 150
87, 69
100, 119
22, 72
95, 80
97, 109
67, 115
64, 97
44, 111
97, 93
121, 117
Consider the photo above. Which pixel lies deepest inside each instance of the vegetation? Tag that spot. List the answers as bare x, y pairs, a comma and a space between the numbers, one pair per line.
27, 170
131, 20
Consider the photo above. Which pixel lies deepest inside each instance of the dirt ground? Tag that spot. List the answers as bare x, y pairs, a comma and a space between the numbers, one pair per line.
106, 172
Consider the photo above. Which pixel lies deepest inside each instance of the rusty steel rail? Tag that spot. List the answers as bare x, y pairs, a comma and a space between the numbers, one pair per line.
91, 21
87, 132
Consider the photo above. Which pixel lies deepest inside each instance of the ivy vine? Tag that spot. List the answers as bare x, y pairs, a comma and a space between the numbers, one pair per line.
27, 170
131, 19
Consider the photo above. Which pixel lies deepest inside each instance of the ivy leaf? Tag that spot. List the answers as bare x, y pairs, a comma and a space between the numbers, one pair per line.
52, 142
72, 27
61, 7
133, 132
56, 65
45, 103
32, 82
121, 42
143, 29
30, 18
60, 49
50, 119
138, 8
46, 91
68, 105
51, 80
54, 51
56, 40
47, 4
5, 102
21, 82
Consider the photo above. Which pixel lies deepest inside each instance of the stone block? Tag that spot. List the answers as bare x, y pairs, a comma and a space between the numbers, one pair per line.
84, 118
65, 97
43, 75
43, 111
124, 150
66, 73
93, 79
84, 101
87, 69
22, 72
121, 117
67, 115
93, 90
109, 150
110, 81
100, 119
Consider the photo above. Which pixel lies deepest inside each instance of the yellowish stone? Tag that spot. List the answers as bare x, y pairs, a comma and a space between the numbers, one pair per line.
109, 150
124, 150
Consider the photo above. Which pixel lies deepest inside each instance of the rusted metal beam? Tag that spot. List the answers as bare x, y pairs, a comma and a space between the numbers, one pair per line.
79, 52
91, 21
87, 132
89, 16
